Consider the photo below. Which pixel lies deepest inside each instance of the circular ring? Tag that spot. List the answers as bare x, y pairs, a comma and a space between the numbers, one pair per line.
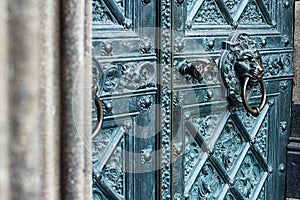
254, 110
100, 115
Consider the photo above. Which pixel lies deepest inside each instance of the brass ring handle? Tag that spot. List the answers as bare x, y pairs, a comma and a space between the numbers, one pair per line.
100, 115
254, 110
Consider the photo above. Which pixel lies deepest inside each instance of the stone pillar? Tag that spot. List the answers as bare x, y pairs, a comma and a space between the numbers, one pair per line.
45, 110
50, 93
88, 96
72, 108
24, 110
4, 105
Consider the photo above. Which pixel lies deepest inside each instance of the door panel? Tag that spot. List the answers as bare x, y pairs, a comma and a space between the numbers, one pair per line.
125, 79
169, 78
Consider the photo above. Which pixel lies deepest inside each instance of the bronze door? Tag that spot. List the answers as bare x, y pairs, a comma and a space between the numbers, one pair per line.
195, 98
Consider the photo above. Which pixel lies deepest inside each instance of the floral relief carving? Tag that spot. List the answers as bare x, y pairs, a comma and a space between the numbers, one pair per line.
228, 146
192, 156
276, 64
113, 171
248, 176
209, 14
208, 184
206, 125
100, 143
99, 14
261, 138
247, 120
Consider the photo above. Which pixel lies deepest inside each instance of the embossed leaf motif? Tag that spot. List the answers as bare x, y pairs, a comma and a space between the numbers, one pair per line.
229, 145
206, 125
248, 176
247, 120
208, 184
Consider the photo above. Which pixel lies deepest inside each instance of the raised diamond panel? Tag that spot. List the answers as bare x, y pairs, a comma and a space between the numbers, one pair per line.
229, 145
207, 125
249, 176
208, 184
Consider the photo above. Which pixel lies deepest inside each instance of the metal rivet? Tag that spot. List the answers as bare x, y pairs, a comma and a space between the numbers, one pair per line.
188, 24
270, 169
180, 1
127, 23
286, 4
281, 167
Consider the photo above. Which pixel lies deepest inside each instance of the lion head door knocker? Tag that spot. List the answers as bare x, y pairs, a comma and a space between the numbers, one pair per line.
241, 71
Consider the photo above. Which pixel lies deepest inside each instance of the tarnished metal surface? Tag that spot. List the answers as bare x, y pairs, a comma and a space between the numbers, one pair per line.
171, 129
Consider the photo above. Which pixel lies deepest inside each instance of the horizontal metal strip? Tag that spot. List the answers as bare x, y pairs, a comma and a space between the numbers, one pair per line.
124, 58
134, 93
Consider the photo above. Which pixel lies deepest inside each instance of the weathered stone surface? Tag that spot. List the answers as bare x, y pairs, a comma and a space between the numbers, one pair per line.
4, 105
49, 98
25, 144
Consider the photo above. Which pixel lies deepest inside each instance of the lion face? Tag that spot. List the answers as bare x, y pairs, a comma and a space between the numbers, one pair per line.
248, 64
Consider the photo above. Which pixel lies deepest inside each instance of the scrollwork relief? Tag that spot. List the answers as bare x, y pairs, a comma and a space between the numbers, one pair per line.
117, 77
229, 145
208, 184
